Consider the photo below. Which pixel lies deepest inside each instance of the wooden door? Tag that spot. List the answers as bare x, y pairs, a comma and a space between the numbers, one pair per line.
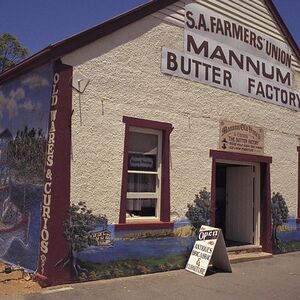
240, 204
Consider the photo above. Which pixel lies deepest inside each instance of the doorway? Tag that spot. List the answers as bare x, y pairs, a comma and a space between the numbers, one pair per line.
238, 190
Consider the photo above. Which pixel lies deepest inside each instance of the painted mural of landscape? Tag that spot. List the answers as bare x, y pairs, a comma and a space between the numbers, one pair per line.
98, 251
133, 253
288, 237
24, 112
102, 252
286, 231
138, 252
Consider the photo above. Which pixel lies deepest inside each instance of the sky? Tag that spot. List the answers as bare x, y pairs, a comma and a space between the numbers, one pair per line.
25, 101
39, 23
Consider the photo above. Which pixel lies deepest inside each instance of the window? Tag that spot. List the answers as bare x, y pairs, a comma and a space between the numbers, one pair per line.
144, 173
145, 194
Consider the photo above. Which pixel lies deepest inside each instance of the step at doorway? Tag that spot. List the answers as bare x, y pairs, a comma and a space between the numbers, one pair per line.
246, 253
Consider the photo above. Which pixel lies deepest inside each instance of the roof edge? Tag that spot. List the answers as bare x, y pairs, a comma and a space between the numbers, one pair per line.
285, 31
54, 52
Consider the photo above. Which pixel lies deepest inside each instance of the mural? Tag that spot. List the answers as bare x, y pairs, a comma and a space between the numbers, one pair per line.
288, 237
99, 251
24, 113
286, 230
126, 253
79, 232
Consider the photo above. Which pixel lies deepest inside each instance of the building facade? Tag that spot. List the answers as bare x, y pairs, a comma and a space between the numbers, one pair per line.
150, 108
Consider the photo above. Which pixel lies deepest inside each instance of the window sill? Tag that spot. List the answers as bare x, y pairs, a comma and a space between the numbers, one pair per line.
144, 226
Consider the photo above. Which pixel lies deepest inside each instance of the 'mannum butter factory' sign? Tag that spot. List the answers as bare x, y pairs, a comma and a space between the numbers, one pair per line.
226, 54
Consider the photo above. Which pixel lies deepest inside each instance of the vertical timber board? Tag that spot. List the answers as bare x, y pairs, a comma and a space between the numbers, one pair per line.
265, 206
56, 198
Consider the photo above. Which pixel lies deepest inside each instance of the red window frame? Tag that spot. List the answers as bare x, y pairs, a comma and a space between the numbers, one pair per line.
164, 222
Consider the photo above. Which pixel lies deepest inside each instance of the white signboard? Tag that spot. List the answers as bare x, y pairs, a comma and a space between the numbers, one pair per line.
209, 249
225, 54
210, 24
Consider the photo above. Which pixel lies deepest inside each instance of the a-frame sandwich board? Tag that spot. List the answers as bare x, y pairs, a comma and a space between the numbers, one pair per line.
210, 248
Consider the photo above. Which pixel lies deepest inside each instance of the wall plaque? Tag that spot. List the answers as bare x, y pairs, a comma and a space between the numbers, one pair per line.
241, 138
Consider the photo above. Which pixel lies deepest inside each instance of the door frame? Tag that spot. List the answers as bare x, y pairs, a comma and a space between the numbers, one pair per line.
265, 230
257, 194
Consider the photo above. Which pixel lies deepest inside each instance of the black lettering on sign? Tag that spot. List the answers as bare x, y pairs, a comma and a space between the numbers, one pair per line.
202, 23
273, 93
171, 61
208, 235
190, 23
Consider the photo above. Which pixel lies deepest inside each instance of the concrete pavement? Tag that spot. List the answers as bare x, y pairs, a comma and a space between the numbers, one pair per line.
273, 278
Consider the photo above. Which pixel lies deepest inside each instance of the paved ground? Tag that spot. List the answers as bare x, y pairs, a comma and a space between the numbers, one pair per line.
272, 278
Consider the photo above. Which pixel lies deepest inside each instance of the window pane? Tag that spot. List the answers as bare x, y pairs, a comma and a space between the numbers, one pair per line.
142, 143
140, 162
141, 183
141, 207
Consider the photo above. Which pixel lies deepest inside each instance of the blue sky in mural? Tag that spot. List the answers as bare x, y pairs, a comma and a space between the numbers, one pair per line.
38, 23
25, 101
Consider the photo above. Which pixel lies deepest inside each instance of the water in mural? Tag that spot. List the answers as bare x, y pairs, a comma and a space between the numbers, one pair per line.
24, 113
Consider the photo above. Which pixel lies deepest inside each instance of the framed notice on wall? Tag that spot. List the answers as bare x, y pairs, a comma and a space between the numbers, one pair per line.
241, 138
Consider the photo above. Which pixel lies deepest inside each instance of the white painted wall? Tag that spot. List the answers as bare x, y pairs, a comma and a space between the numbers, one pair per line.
125, 80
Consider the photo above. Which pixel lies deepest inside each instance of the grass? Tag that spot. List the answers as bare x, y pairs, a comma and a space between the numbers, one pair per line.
184, 231
130, 267
290, 246
147, 235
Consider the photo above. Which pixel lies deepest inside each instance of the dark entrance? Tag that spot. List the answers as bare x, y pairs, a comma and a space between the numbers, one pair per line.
236, 212
218, 217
